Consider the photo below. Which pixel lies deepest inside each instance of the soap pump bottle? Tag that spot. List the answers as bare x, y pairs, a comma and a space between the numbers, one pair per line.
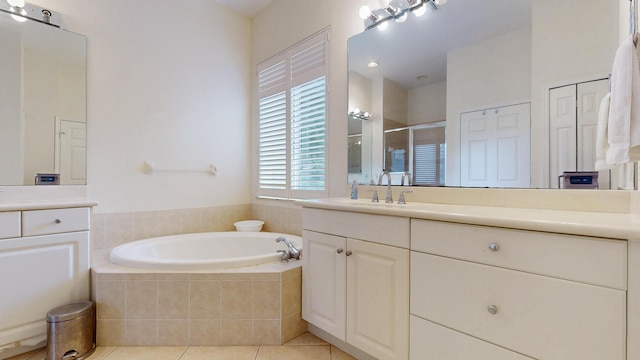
354, 189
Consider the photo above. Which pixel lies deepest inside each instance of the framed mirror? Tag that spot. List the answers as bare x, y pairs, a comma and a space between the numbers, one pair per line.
490, 72
42, 104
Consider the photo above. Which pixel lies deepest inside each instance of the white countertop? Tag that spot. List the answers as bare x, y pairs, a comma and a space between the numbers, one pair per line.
19, 205
607, 225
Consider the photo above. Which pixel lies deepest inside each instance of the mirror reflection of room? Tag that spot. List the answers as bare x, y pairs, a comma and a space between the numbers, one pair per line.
516, 86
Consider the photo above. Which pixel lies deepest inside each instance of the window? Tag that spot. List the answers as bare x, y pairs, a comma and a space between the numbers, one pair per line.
292, 108
428, 155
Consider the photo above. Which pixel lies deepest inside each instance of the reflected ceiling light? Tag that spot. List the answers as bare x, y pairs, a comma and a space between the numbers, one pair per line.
402, 18
420, 10
359, 114
373, 64
383, 26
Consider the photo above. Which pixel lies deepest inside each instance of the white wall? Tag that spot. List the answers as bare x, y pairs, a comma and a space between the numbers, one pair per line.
11, 161
168, 82
427, 104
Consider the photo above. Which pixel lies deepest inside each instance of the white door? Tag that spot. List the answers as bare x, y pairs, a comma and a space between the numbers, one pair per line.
378, 299
71, 152
495, 147
573, 120
324, 282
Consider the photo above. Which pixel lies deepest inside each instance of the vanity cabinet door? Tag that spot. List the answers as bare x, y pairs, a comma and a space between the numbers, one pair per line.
324, 282
378, 299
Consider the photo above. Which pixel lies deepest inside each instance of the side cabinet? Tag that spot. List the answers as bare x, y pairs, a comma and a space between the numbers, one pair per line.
356, 279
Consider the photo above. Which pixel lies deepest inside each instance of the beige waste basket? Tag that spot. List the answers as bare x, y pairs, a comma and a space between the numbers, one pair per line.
71, 331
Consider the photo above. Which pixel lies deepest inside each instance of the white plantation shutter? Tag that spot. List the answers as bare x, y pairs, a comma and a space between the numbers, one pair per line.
292, 110
429, 156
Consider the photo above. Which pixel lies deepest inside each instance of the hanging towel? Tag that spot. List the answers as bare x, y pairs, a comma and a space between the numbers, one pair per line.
624, 113
602, 142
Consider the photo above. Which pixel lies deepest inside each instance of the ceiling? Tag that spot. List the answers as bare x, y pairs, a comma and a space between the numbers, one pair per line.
246, 7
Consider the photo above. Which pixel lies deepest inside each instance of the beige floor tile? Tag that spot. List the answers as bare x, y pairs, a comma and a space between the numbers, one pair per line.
307, 339
306, 352
38, 354
337, 354
101, 352
146, 353
220, 353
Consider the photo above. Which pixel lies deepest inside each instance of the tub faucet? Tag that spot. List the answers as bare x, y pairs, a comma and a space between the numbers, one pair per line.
293, 252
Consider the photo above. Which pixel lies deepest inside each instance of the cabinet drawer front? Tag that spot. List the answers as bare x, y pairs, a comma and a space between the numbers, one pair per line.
590, 260
386, 230
432, 341
538, 316
9, 224
40, 222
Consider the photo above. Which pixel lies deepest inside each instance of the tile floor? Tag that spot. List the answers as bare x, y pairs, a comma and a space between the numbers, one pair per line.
304, 347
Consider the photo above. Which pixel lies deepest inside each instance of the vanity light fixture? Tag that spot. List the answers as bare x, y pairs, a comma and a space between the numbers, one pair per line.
21, 11
359, 114
397, 10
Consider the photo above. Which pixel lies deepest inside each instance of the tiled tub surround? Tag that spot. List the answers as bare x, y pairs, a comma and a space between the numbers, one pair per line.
258, 305
111, 230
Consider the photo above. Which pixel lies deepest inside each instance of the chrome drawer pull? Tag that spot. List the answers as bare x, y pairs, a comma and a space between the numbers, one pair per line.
339, 251
492, 309
58, 221
494, 247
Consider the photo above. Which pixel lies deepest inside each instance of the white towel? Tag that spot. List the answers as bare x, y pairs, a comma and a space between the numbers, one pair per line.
602, 143
624, 115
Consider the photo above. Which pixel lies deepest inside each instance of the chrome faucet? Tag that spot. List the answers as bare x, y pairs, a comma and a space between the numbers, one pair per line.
408, 176
389, 198
293, 252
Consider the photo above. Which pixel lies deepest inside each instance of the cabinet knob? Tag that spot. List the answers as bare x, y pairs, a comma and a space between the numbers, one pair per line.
492, 309
494, 247
58, 221
339, 251
348, 253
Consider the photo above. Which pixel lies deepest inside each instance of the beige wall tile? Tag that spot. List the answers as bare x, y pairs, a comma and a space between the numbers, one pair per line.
241, 275
98, 234
211, 219
141, 299
110, 299
204, 332
173, 299
110, 332
266, 300
169, 222
292, 327
205, 299
205, 276
236, 299
236, 332
174, 276
145, 225
291, 294
266, 332
190, 221
141, 332
266, 276
119, 229
142, 276
173, 332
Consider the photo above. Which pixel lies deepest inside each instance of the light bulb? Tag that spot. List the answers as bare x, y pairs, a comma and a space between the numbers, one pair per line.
16, 3
401, 18
419, 11
356, 111
440, 2
383, 26
364, 12
384, 3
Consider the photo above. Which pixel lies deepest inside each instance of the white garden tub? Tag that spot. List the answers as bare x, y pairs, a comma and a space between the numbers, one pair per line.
203, 251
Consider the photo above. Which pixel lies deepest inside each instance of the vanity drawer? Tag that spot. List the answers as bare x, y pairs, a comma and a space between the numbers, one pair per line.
40, 222
386, 230
432, 341
586, 259
9, 224
541, 317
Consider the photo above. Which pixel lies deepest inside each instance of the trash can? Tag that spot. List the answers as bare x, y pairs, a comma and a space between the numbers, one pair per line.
71, 331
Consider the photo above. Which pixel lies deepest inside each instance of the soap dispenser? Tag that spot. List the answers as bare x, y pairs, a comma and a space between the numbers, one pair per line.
354, 189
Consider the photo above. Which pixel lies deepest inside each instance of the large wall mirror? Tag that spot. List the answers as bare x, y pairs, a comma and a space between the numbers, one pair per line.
492, 93
42, 103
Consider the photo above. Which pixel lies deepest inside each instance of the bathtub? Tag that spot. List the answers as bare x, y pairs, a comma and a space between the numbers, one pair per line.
202, 251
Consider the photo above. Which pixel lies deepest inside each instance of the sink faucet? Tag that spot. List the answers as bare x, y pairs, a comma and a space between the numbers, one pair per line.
389, 198
408, 176
293, 252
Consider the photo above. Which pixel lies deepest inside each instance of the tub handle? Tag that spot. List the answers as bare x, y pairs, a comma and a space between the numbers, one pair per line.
284, 257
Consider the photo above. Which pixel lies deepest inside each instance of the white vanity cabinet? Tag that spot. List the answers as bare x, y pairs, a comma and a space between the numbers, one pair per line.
509, 294
43, 265
356, 279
